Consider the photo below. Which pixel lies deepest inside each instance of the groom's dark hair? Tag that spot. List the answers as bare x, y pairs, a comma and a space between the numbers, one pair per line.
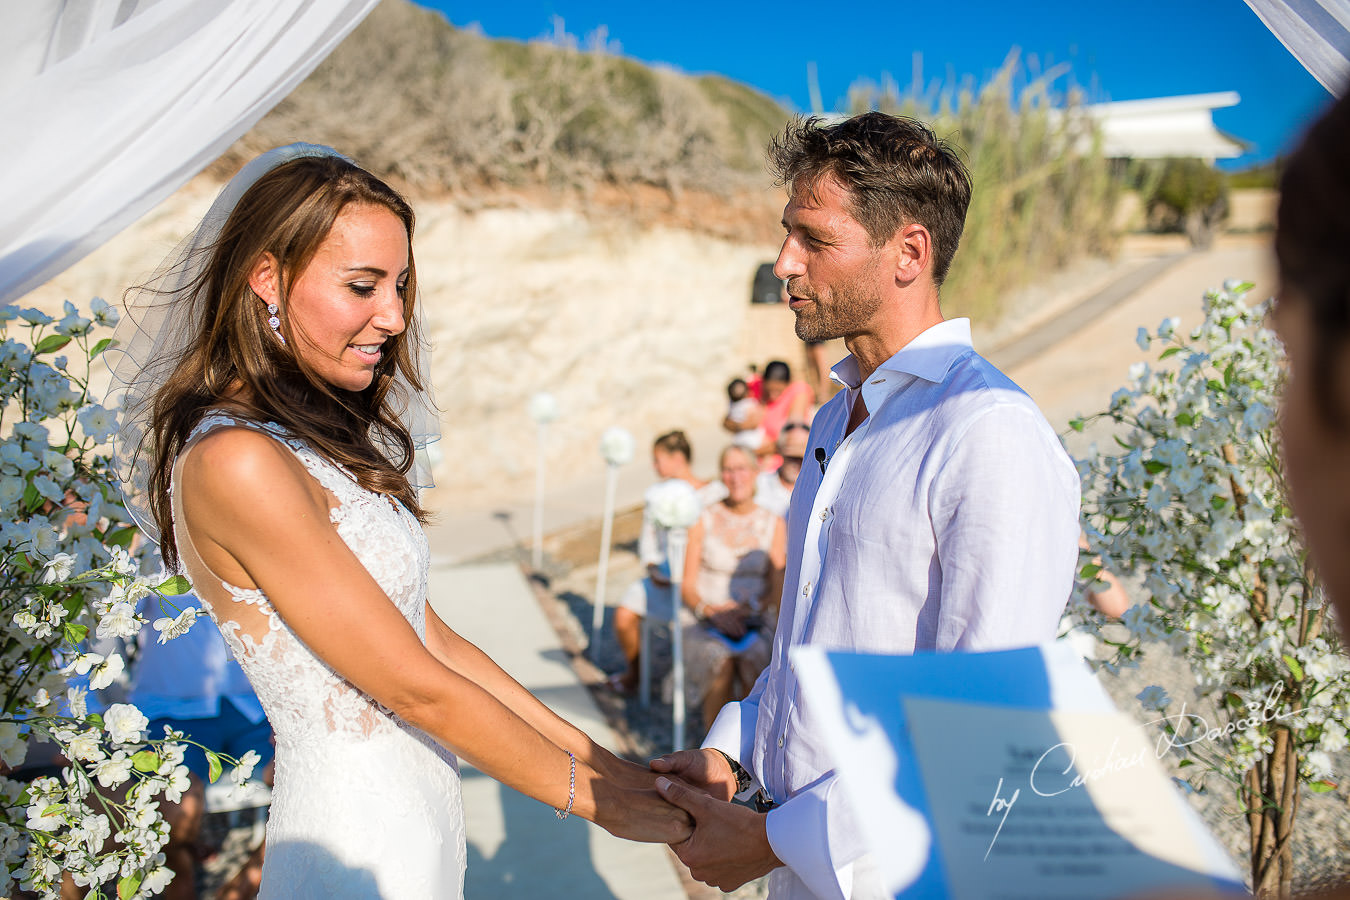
896, 170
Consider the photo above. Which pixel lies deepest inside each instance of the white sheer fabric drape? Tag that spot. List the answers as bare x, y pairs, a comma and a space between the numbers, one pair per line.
110, 105
1316, 32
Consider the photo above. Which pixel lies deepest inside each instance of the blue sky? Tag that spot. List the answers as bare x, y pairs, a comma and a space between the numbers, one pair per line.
1117, 51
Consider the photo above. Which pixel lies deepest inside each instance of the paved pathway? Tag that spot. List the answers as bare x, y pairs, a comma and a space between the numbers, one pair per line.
518, 849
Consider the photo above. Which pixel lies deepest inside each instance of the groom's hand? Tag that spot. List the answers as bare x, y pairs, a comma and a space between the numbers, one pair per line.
729, 846
704, 769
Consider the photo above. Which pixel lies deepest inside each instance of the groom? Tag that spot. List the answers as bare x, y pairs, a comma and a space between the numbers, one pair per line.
936, 509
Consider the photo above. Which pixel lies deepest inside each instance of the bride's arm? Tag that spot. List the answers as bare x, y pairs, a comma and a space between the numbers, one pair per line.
252, 508
464, 657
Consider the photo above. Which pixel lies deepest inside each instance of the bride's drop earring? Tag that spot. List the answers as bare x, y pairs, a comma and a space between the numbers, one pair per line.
274, 322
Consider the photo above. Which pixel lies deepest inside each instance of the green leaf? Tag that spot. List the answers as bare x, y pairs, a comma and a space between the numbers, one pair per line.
1089, 571
100, 347
1170, 352
213, 765
128, 885
1218, 502
32, 500
94, 719
174, 586
1229, 374
50, 344
122, 537
145, 761
1185, 419
54, 809
1215, 385
1322, 787
75, 632
1076, 424
1185, 762
1153, 467
1294, 667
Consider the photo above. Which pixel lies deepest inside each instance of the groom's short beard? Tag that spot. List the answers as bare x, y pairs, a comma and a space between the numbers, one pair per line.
849, 311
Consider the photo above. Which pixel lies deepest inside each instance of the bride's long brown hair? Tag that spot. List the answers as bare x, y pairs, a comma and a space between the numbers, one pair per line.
236, 359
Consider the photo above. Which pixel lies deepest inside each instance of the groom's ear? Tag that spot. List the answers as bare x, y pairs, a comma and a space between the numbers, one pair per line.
265, 278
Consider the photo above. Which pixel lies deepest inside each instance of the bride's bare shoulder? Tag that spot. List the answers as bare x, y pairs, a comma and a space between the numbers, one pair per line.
236, 464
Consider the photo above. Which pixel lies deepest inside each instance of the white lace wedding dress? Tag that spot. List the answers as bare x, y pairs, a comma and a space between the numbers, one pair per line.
364, 805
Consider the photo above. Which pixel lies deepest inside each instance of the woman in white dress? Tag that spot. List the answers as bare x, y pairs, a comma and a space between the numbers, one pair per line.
270, 433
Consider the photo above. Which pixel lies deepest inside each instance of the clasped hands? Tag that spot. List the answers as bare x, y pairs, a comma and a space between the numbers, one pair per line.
729, 845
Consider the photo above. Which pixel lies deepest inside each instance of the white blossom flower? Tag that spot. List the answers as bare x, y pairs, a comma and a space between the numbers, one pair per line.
98, 423
156, 881
114, 770
73, 323
106, 672
13, 746
1168, 327
75, 700
242, 772
35, 316
84, 746
1153, 697
120, 621
1318, 765
1143, 339
104, 313
124, 723
58, 568
1333, 738
170, 628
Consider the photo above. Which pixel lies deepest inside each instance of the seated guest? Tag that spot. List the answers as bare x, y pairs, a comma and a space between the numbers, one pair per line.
784, 401
743, 415
773, 490
671, 456
733, 576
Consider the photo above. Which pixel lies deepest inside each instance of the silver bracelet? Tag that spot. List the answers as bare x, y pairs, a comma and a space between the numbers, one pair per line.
571, 788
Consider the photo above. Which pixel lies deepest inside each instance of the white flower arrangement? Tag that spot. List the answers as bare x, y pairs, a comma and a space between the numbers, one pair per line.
65, 576
673, 504
544, 408
617, 446
1193, 500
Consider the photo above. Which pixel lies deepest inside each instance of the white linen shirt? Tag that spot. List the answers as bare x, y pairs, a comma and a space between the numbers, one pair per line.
948, 520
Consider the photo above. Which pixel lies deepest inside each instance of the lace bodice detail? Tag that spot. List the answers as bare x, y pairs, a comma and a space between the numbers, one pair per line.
735, 554
300, 692
364, 804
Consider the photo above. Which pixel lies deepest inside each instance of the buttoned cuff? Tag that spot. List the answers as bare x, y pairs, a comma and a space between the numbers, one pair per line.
799, 833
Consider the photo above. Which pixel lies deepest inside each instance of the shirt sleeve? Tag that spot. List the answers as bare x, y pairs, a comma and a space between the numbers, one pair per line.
1005, 518
733, 732
813, 833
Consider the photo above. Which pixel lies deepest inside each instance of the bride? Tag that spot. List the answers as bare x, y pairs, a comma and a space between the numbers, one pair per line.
274, 406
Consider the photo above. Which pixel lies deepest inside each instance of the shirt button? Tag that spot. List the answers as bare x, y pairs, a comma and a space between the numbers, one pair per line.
806, 589
780, 741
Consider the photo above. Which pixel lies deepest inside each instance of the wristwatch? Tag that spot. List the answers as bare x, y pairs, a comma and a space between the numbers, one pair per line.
742, 777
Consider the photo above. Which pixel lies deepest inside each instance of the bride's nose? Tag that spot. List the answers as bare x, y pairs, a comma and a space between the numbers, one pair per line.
388, 317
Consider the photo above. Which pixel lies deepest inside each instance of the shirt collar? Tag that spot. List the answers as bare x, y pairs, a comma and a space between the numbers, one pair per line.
928, 356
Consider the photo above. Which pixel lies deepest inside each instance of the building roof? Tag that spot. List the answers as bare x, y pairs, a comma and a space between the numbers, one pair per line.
1166, 126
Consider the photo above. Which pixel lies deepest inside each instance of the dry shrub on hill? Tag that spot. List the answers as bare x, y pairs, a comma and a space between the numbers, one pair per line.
435, 107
